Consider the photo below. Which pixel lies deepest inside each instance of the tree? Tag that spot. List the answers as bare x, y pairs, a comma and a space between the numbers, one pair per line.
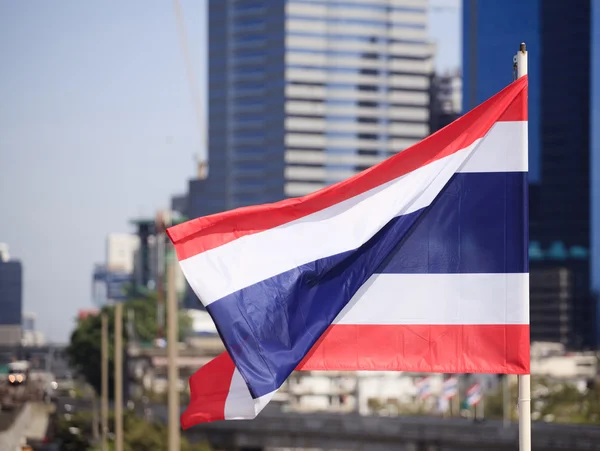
84, 350
74, 434
565, 403
561, 402
494, 402
139, 435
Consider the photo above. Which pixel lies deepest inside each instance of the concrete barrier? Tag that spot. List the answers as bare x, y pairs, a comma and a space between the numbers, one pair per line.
13, 437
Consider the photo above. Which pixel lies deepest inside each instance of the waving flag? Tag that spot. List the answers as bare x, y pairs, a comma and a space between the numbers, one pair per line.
474, 394
423, 388
417, 264
450, 387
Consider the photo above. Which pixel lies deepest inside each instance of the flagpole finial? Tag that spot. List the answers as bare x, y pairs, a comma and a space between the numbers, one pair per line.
520, 62
522, 47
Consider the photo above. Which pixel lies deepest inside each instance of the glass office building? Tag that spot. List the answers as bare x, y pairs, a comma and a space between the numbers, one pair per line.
559, 39
11, 293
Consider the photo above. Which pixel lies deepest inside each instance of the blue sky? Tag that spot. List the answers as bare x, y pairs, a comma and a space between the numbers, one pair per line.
97, 126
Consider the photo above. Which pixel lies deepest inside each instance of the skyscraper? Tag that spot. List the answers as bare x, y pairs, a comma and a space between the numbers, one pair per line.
305, 93
558, 35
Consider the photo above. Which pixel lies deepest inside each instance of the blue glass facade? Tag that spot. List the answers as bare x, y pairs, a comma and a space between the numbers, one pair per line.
492, 32
11, 293
245, 104
595, 147
561, 140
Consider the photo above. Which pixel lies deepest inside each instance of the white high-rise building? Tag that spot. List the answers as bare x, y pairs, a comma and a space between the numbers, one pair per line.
357, 86
120, 252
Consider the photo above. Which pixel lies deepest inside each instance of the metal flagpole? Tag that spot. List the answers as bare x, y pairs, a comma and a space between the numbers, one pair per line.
173, 370
456, 411
160, 273
520, 61
525, 412
119, 376
506, 400
104, 371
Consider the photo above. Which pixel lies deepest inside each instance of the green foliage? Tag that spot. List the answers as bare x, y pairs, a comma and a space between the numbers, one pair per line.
74, 439
163, 397
84, 350
139, 435
564, 403
559, 402
493, 405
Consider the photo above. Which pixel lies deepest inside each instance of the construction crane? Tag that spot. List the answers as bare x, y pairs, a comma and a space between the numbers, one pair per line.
201, 156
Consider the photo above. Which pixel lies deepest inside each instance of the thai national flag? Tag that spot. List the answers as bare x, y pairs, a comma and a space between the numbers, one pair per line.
450, 388
474, 395
423, 388
417, 264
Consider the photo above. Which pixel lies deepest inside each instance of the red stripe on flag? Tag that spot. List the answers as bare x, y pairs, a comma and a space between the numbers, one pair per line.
494, 349
202, 234
209, 388
517, 111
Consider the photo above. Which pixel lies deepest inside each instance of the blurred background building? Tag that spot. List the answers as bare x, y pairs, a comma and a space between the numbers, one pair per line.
559, 37
31, 336
446, 99
111, 278
11, 298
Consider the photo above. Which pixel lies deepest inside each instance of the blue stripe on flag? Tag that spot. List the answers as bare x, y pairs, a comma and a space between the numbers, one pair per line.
473, 226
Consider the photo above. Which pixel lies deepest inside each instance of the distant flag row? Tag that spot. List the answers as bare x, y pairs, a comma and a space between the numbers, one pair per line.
474, 394
423, 388
449, 390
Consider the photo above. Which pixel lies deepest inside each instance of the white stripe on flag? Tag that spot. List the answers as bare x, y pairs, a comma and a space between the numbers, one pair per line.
239, 404
501, 151
439, 299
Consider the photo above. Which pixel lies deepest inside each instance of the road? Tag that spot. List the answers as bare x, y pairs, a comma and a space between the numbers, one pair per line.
273, 427
273, 411
7, 418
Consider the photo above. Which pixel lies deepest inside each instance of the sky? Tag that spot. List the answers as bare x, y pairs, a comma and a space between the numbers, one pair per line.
97, 126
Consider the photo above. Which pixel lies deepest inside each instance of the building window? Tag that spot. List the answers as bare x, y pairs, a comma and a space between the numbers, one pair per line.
368, 6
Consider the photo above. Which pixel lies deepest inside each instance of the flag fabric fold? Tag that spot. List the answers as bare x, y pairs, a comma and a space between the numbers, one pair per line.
417, 264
